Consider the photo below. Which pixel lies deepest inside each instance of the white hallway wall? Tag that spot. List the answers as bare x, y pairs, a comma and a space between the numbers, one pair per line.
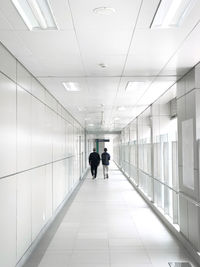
130, 154
40, 157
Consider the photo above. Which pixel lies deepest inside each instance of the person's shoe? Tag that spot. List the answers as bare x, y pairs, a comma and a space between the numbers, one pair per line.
104, 177
93, 177
107, 176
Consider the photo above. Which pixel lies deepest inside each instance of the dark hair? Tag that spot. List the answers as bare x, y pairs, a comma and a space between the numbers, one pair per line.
105, 149
94, 149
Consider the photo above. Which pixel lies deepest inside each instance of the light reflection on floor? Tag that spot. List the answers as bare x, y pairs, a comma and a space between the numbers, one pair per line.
109, 225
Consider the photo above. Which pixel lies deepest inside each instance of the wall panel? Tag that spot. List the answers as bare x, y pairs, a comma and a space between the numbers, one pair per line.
37, 90
24, 78
8, 222
23, 129
35, 140
171, 181
7, 63
48, 192
23, 212
38, 200
38, 133
7, 126
58, 183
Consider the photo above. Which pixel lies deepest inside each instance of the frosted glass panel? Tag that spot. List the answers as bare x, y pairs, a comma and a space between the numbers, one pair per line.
188, 153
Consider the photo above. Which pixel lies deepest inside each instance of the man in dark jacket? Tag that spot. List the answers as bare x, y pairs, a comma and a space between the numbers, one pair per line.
94, 160
105, 157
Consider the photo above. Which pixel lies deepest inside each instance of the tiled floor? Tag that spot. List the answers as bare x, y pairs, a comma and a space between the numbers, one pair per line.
108, 225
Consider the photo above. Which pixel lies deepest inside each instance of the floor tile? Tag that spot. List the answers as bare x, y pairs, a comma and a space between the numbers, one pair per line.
130, 257
124, 243
90, 244
90, 257
55, 259
106, 226
61, 244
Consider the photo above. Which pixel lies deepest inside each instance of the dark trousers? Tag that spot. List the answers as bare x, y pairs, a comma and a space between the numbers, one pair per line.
94, 170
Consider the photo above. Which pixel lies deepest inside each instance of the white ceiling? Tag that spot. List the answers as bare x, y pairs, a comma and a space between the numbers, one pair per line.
123, 41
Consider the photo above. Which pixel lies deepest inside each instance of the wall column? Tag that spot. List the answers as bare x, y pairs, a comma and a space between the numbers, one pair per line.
188, 109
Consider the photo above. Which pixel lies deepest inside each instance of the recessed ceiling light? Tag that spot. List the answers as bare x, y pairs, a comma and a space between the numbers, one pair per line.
122, 108
71, 87
136, 87
37, 15
91, 124
104, 10
116, 119
171, 13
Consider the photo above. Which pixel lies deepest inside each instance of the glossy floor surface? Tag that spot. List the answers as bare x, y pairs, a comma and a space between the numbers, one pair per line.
107, 224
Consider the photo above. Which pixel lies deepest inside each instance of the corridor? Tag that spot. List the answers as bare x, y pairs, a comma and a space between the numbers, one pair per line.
107, 224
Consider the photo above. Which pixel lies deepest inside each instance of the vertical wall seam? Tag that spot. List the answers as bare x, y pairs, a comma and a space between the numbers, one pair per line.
16, 93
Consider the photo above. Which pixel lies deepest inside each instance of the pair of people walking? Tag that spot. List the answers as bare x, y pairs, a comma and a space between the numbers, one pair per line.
94, 160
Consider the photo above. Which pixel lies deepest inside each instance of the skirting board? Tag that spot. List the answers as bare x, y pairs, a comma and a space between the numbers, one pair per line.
171, 228
34, 244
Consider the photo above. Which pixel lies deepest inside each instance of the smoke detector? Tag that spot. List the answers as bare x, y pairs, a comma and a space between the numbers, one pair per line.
104, 10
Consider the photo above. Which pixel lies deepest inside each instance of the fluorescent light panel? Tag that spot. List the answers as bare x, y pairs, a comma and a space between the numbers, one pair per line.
171, 13
154, 92
71, 87
136, 87
36, 14
122, 108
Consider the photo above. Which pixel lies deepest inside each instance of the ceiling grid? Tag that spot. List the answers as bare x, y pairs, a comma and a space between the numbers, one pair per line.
102, 52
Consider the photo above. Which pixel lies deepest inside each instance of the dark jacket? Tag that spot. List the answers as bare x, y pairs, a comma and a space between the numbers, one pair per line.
94, 159
105, 158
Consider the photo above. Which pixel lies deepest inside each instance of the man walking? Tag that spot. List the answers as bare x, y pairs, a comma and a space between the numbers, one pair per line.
94, 160
105, 162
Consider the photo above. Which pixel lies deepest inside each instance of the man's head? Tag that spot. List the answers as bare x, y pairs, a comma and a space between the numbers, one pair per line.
94, 149
105, 149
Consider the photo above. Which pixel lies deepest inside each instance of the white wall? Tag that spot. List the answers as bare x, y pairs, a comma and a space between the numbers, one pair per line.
39, 157
188, 102
173, 184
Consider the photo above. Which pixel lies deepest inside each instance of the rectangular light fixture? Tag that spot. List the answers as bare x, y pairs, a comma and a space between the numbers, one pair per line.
154, 92
171, 13
136, 87
121, 108
71, 87
36, 14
